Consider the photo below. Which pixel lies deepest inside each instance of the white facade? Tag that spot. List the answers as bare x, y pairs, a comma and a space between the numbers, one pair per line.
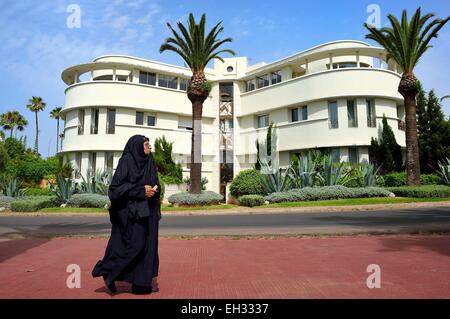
340, 91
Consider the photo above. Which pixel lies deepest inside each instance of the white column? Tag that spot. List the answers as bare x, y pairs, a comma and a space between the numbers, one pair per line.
381, 60
92, 75
84, 163
306, 67
357, 59
75, 78
331, 61
102, 121
114, 74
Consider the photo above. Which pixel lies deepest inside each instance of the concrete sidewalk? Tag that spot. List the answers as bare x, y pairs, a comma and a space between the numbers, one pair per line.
412, 266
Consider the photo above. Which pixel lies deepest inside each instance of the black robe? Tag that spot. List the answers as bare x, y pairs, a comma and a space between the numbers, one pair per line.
132, 251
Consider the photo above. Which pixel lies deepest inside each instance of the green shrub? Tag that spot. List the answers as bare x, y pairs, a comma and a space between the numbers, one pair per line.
170, 180
36, 170
33, 204
247, 182
5, 201
88, 200
36, 191
399, 179
442, 191
203, 182
251, 200
326, 193
204, 198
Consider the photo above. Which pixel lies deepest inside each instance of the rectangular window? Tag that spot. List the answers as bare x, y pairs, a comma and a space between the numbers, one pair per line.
371, 116
139, 118
263, 121
147, 78
353, 155
151, 120
92, 163
335, 155
262, 81
185, 123
167, 81
109, 161
77, 170
276, 77
352, 114
226, 125
333, 115
304, 112
81, 122
94, 121
294, 115
111, 121
250, 85
122, 78
183, 84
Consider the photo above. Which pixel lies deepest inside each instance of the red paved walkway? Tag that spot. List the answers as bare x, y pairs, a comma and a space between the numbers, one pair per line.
412, 266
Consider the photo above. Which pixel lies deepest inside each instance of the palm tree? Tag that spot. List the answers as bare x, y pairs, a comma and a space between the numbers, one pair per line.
445, 97
405, 43
11, 120
197, 51
56, 114
35, 104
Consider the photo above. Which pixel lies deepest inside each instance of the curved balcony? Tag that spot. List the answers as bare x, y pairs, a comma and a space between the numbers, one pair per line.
131, 95
349, 82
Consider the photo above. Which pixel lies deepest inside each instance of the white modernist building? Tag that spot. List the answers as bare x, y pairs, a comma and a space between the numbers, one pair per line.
330, 96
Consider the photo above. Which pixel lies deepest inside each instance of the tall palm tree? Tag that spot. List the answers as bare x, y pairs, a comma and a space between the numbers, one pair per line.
197, 50
11, 120
35, 104
405, 43
56, 114
445, 97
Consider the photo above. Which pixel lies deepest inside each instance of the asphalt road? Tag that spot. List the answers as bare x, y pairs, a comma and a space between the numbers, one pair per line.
436, 219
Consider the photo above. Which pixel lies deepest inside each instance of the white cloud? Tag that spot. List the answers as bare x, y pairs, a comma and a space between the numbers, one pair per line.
120, 22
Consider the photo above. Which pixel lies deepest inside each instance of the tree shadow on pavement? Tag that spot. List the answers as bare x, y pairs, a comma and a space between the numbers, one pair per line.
14, 247
437, 243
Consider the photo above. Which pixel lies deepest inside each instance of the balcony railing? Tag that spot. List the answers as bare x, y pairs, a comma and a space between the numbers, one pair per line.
401, 125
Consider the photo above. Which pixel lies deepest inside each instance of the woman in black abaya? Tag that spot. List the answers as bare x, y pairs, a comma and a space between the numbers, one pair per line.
132, 251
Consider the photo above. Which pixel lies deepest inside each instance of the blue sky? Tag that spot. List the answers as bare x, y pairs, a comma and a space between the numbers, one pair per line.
37, 45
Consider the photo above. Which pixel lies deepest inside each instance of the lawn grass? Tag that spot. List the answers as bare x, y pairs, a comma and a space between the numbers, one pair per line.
337, 202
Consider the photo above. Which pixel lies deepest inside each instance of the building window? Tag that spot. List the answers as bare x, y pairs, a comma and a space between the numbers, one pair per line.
185, 123
262, 81
151, 120
77, 171
226, 125
92, 163
230, 69
250, 85
109, 161
139, 118
183, 84
94, 121
167, 81
335, 155
122, 78
353, 155
147, 78
81, 122
371, 116
263, 121
294, 115
276, 77
333, 115
107, 77
352, 114
111, 121
304, 112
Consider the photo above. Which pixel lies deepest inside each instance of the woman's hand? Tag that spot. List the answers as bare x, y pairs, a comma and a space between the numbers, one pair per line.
149, 191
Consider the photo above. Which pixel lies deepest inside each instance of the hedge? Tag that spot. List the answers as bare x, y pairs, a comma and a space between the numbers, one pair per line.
5, 201
32, 191
33, 204
88, 200
204, 198
326, 193
399, 179
441, 191
251, 200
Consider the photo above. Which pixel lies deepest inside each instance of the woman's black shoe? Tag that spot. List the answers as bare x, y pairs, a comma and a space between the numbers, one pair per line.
141, 290
112, 287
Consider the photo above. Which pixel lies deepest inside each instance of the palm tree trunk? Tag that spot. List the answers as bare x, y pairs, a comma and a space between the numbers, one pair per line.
196, 147
36, 146
412, 143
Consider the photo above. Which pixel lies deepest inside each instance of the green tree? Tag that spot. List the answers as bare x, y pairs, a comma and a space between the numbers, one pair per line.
267, 144
35, 104
433, 130
164, 162
386, 153
197, 50
11, 120
406, 42
56, 114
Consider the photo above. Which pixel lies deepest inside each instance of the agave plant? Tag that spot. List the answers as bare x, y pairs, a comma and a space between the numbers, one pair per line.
274, 179
303, 174
64, 188
444, 170
102, 181
369, 174
334, 174
12, 188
